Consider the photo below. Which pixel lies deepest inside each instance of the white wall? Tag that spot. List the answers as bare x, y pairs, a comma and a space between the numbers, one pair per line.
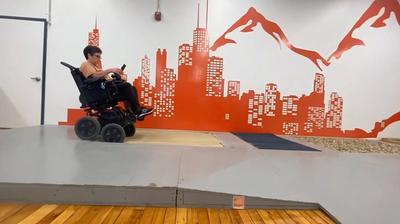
366, 77
25, 8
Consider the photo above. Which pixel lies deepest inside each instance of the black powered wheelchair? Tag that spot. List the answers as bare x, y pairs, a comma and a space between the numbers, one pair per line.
99, 99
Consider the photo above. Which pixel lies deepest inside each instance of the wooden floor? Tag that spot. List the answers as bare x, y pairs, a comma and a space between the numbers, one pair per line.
32, 214
174, 137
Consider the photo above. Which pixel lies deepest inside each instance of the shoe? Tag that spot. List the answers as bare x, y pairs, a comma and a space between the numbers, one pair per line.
144, 112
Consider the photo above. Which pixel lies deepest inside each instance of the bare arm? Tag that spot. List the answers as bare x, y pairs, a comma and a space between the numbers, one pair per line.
103, 73
90, 72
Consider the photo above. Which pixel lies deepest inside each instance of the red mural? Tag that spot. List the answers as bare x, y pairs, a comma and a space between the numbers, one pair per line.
273, 30
388, 6
193, 97
94, 39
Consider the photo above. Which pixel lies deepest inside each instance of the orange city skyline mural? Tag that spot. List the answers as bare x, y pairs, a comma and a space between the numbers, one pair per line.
196, 96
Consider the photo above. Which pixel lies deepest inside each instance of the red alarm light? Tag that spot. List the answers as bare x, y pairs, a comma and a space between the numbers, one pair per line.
157, 16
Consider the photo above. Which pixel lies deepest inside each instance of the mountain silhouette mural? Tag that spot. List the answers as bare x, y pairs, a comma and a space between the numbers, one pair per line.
272, 29
388, 7
275, 31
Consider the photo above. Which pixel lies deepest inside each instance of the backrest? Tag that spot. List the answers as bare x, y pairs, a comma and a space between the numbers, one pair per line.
92, 95
79, 79
77, 75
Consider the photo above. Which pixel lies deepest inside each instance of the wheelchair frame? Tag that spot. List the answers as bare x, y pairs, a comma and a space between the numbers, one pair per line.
99, 99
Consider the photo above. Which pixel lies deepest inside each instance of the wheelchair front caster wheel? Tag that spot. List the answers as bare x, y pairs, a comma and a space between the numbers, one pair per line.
113, 133
130, 130
87, 128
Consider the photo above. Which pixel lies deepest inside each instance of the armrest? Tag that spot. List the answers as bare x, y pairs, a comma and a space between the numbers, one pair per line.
114, 82
93, 80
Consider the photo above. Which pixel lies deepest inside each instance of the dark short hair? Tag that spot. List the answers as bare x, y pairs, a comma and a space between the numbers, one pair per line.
91, 50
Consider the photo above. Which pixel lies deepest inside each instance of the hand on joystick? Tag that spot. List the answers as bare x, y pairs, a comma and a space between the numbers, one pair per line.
119, 73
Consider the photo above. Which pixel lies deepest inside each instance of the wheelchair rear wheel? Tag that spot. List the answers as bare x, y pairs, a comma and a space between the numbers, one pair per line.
113, 133
87, 128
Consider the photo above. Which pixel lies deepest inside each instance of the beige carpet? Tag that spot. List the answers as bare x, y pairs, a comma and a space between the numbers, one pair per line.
173, 137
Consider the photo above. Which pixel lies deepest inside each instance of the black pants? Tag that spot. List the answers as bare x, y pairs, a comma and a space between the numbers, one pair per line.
129, 94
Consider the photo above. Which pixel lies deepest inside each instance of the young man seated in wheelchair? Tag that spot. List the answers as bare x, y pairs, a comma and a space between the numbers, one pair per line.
128, 93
